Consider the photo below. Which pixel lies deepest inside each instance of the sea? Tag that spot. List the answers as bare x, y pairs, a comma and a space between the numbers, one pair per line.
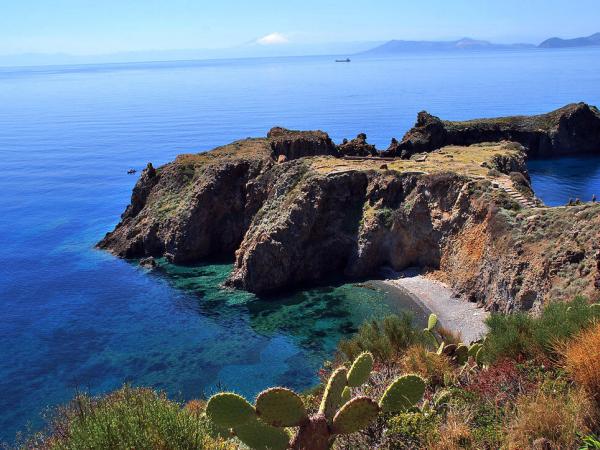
73, 318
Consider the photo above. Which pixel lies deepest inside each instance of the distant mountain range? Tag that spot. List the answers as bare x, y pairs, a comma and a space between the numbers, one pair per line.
555, 42
254, 50
394, 46
419, 46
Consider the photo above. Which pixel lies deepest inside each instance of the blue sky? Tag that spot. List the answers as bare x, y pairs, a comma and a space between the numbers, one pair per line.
108, 26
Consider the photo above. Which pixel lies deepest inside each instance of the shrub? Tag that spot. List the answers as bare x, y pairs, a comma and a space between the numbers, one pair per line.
409, 430
385, 339
582, 359
128, 418
435, 368
515, 335
501, 383
558, 417
590, 442
509, 336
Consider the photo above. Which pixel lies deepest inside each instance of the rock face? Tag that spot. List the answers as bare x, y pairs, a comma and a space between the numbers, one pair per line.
357, 147
290, 213
572, 129
297, 144
348, 223
200, 206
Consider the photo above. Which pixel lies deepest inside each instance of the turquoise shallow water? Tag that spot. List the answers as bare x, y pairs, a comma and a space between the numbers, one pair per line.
73, 317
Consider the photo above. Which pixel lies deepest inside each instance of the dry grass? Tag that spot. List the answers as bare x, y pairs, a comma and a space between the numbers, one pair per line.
449, 336
453, 434
195, 407
558, 417
248, 148
435, 368
461, 160
582, 359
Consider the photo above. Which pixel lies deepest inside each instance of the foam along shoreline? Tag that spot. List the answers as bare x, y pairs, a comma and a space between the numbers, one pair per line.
453, 313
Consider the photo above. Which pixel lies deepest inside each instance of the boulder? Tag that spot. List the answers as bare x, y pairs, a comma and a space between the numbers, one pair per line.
357, 147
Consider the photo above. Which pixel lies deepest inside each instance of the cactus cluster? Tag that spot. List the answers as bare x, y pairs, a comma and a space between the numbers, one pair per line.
265, 425
461, 353
428, 331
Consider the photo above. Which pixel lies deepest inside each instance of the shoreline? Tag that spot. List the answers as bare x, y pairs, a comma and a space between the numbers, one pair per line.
435, 297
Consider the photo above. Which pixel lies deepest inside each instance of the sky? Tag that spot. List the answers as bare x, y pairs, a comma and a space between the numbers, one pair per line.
94, 27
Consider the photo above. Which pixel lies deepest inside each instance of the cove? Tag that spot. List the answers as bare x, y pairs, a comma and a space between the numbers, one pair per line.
556, 180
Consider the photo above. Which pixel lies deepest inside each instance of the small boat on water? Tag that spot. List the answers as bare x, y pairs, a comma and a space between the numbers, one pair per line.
131, 171
343, 60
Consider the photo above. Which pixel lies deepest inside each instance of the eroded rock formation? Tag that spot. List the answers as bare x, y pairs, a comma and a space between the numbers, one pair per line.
357, 147
573, 129
289, 212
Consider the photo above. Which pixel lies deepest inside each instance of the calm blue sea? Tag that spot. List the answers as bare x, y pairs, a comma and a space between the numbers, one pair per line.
74, 318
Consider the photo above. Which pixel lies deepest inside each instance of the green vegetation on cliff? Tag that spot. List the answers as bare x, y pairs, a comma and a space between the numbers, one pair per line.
532, 383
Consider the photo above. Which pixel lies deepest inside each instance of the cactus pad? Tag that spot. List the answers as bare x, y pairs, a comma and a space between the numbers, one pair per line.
280, 407
473, 349
441, 348
479, 356
260, 436
462, 354
229, 410
355, 415
346, 395
432, 322
403, 393
431, 339
442, 398
360, 370
333, 392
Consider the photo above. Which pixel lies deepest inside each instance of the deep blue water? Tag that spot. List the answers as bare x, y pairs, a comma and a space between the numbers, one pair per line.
558, 180
73, 317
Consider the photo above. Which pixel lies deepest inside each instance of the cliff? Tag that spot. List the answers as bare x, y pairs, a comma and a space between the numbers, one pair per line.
290, 211
575, 128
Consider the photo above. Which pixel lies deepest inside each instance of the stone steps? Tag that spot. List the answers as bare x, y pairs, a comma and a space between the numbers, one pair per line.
507, 185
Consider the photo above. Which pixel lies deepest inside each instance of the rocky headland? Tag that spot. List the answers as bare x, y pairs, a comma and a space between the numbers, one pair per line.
452, 198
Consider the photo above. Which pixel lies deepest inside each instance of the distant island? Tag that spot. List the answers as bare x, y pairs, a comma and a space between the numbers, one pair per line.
396, 46
465, 44
588, 41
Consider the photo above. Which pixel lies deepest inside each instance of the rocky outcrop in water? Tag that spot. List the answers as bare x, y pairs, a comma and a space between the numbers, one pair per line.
290, 212
201, 205
573, 129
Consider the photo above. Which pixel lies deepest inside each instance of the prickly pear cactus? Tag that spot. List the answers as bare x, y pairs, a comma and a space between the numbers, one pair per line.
480, 356
402, 394
432, 322
355, 415
260, 436
332, 396
428, 332
473, 349
263, 426
360, 370
441, 348
280, 407
346, 395
461, 354
229, 410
